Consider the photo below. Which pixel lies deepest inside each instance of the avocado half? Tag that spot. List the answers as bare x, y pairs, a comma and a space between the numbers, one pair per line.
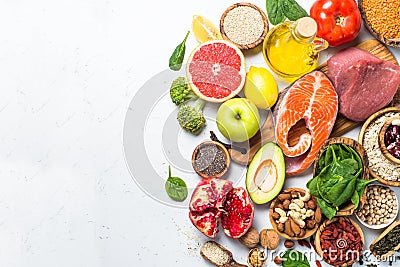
266, 173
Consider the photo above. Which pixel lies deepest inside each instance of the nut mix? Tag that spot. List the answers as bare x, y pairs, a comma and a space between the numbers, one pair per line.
381, 206
294, 213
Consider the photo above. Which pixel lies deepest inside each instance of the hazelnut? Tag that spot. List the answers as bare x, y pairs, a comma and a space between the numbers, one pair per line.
278, 260
281, 227
286, 204
310, 224
312, 204
251, 238
289, 243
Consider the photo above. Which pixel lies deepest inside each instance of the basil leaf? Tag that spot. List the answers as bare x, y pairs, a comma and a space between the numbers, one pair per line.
292, 10
275, 14
294, 258
176, 188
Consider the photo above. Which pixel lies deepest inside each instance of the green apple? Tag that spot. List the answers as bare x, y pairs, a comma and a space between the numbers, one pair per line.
238, 119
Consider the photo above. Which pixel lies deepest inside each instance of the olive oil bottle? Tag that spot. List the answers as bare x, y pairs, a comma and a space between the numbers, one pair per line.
291, 48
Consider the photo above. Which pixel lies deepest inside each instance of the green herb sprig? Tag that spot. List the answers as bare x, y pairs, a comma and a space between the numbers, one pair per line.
176, 188
279, 10
176, 59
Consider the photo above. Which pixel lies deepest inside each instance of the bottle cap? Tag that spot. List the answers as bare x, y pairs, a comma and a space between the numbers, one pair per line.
306, 27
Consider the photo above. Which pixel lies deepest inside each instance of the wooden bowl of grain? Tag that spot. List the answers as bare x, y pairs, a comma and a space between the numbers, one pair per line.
210, 159
382, 19
244, 24
387, 172
347, 209
339, 242
277, 202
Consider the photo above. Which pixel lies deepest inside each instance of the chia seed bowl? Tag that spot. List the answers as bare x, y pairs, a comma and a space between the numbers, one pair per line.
210, 159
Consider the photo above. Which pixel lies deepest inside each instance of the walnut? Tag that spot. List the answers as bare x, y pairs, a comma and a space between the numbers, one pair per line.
251, 238
269, 238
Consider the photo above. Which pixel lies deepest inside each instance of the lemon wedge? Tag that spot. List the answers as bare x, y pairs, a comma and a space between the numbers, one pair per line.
204, 30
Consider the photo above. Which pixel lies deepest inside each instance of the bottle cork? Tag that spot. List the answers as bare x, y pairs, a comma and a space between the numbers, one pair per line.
306, 27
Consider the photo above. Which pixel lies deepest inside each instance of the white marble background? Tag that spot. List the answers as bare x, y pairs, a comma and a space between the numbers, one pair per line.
68, 70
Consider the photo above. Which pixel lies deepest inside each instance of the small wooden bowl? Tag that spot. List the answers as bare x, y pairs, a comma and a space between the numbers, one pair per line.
377, 35
219, 146
348, 209
370, 120
390, 253
309, 232
255, 43
382, 145
318, 247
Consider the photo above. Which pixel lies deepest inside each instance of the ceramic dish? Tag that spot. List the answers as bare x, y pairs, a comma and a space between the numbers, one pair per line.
369, 202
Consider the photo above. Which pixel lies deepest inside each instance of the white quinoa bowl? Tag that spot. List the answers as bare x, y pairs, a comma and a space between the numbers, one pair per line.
381, 205
380, 167
244, 24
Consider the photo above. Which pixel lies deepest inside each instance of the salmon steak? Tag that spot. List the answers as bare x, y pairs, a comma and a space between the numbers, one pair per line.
311, 98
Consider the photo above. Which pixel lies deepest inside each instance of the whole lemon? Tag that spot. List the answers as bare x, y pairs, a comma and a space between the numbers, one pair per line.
261, 87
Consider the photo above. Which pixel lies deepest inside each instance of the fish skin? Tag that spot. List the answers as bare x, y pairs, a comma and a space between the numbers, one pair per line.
314, 99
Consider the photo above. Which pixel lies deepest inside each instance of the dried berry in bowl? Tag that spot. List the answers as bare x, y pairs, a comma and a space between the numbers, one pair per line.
339, 241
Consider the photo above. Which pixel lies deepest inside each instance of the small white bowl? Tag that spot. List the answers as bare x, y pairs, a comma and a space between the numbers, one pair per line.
380, 226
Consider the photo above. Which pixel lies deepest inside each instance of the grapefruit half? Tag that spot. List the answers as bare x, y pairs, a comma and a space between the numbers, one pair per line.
216, 70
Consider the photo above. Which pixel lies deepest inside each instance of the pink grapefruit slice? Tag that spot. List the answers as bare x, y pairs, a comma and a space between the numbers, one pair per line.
216, 70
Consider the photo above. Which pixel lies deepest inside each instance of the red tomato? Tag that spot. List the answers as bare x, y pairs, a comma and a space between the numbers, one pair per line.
339, 21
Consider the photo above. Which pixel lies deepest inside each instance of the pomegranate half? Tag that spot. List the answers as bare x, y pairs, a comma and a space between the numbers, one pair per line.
215, 200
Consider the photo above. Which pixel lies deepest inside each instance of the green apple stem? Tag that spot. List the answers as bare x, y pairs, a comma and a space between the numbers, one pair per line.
214, 138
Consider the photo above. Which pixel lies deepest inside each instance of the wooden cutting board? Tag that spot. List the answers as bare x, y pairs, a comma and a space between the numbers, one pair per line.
342, 125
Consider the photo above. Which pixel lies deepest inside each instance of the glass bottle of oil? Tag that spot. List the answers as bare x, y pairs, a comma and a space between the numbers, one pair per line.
291, 48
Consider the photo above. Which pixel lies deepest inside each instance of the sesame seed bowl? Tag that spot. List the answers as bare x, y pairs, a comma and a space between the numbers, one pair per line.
244, 24
382, 19
380, 209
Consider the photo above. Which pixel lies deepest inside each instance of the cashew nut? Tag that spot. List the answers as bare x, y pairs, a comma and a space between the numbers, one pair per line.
306, 197
310, 213
294, 206
294, 214
281, 212
299, 202
282, 219
303, 211
300, 222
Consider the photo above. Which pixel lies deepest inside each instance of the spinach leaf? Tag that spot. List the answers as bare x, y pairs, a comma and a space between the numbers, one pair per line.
361, 184
275, 14
343, 195
294, 258
176, 188
355, 199
329, 211
292, 10
176, 59
313, 187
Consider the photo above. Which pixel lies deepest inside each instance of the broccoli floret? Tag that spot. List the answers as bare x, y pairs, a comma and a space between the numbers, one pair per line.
180, 91
191, 118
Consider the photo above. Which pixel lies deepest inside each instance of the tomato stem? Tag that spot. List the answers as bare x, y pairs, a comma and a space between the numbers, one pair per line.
339, 20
